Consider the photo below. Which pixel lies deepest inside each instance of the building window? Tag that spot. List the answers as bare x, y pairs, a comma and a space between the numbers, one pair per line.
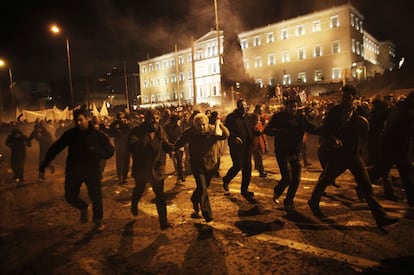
358, 48
165, 80
190, 75
317, 51
352, 20
256, 41
182, 94
271, 59
152, 98
190, 92
189, 59
150, 68
318, 75
173, 78
285, 57
181, 76
173, 62
270, 38
258, 62
158, 82
286, 79
353, 45
301, 54
157, 66
246, 64
180, 60
144, 69
356, 23
300, 30
334, 21
167, 96
145, 84
316, 26
335, 47
159, 98
199, 54
146, 99
284, 34
360, 26
336, 73
165, 64
151, 83
302, 77
244, 44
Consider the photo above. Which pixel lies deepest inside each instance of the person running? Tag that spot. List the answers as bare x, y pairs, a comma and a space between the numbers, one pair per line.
346, 132
203, 140
86, 147
240, 144
288, 127
149, 145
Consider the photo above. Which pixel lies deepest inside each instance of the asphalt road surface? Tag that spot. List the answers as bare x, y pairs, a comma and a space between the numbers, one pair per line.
41, 234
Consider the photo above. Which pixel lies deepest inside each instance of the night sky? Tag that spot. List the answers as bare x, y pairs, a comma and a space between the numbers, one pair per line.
104, 33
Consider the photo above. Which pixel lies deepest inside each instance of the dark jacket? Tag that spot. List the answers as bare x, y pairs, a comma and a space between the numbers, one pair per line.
348, 127
203, 148
18, 142
148, 155
85, 150
239, 126
120, 132
288, 131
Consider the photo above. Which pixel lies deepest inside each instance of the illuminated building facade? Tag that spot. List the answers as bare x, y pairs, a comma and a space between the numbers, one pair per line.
322, 47
168, 79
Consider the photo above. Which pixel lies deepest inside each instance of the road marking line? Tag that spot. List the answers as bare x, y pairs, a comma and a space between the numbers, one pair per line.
309, 249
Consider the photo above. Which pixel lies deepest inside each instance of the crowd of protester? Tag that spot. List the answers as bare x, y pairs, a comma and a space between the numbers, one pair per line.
367, 136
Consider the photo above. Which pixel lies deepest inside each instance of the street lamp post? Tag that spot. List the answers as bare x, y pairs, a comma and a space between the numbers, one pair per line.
55, 29
11, 86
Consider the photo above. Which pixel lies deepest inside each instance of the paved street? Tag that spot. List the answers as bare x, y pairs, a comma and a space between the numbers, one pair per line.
41, 234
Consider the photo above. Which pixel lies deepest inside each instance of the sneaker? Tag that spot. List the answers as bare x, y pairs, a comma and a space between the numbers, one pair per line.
99, 226
225, 185
316, 211
208, 219
263, 174
276, 198
84, 215
195, 215
386, 220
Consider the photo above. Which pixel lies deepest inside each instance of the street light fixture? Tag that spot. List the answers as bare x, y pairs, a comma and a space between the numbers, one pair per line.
11, 85
56, 30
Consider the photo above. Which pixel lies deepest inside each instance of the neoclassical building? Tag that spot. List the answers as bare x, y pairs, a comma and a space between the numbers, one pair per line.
168, 79
322, 47
328, 46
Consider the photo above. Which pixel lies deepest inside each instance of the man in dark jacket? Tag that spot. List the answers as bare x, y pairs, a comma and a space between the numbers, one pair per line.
119, 130
395, 147
288, 127
240, 144
18, 142
86, 147
148, 145
204, 155
347, 132
45, 140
